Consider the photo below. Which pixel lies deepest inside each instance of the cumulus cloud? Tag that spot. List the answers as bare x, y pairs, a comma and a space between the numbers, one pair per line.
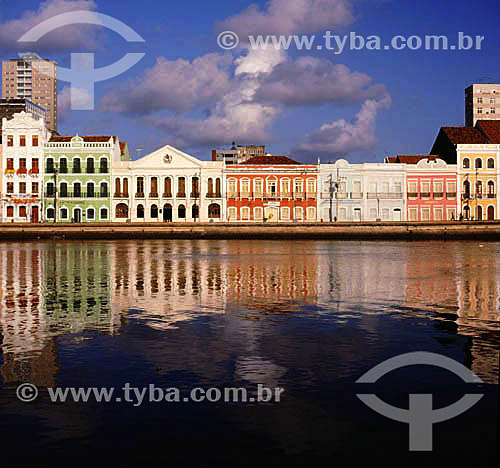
236, 116
311, 81
69, 96
341, 137
290, 17
72, 37
176, 85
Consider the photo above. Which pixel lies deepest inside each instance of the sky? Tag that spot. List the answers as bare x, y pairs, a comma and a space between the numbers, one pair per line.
360, 105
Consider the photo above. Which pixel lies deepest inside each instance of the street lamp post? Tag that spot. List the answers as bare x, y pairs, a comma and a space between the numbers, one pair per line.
55, 192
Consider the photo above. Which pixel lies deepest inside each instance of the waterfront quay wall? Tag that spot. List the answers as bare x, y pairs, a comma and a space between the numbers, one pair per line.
410, 231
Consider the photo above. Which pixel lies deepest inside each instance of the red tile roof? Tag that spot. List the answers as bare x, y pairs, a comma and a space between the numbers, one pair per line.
414, 158
491, 129
271, 160
464, 135
87, 139
123, 145
391, 159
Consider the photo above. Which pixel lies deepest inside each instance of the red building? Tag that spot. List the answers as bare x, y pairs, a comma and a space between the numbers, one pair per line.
272, 189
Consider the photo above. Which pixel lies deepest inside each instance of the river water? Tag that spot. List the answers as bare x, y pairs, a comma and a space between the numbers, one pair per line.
309, 318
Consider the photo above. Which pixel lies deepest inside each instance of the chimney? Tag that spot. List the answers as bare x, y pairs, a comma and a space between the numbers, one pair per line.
214, 155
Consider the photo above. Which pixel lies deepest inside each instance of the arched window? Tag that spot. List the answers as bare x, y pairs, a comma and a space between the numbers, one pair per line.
140, 211
218, 193
104, 190
118, 188
77, 190
50, 169
140, 187
214, 211
63, 190
467, 212
125, 188
195, 187
154, 187
76, 166
90, 190
491, 163
231, 188
90, 214
103, 166
479, 163
63, 165
168, 188
210, 188
154, 211
50, 189
195, 212
467, 189
491, 189
466, 163
122, 211
181, 212
90, 165
479, 189
181, 192
104, 213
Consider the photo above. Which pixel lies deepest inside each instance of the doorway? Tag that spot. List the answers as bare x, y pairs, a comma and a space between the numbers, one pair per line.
77, 215
491, 213
34, 214
167, 213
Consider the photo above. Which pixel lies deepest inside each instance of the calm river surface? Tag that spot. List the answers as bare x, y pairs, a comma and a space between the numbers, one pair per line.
308, 317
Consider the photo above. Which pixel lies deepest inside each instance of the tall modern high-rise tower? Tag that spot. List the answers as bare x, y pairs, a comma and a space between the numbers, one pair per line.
33, 78
482, 102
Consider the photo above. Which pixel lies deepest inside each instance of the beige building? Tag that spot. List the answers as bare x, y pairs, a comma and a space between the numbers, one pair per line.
482, 102
35, 79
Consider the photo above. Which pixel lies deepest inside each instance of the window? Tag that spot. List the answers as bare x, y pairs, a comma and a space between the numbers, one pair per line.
104, 166
298, 186
412, 189
140, 212
90, 165
311, 213
104, 213
22, 211
10, 164
478, 163
154, 187
63, 166
479, 189
181, 181
285, 213
425, 189
181, 212
154, 211
258, 213
258, 188
386, 214
10, 212
118, 187
22, 164
125, 187
438, 189
492, 100
451, 190
34, 140
104, 190
50, 213
210, 192
50, 189
167, 189
218, 188
10, 140
77, 190
140, 187
10, 187
22, 141
493, 110
63, 190
214, 211
231, 213
491, 163
438, 214
91, 214
245, 213
245, 188
311, 187
34, 187
34, 165
121, 211
231, 188
76, 166
195, 212
452, 214
299, 213
426, 214
480, 100
64, 213
285, 188
479, 110
491, 189
356, 187
22, 187
90, 190
272, 187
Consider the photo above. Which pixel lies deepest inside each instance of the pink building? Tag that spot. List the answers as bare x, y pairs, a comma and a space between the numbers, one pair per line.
431, 188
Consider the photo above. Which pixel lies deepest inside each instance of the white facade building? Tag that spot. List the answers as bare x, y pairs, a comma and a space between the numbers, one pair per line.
362, 192
23, 139
168, 186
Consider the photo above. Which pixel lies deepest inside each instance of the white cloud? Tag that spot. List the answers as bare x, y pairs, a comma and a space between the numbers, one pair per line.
69, 38
342, 137
290, 17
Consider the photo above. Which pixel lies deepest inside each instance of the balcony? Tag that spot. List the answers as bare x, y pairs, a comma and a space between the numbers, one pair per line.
327, 195
214, 195
80, 194
467, 196
356, 196
139, 195
153, 195
384, 196
195, 194
167, 195
451, 195
181, 194
492, 195
412, 195
426, 195
438, 195
103, 170
121, 195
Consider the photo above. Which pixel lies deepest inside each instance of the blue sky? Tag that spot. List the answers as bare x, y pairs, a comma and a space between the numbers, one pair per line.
186, 91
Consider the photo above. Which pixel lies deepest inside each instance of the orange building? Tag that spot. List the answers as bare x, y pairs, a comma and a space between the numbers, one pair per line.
271, 188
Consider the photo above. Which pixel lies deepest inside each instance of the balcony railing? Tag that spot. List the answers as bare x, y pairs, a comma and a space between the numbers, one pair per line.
492, 195
195, 194
356, 196
451, 195
81, 194
218, 195
438, 194
139, 195
153, 195
425, 194
413, 195
384, 195
167, 195
120, 195
181, 194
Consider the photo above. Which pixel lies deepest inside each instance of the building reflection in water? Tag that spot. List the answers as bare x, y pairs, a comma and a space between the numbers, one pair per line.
50, 289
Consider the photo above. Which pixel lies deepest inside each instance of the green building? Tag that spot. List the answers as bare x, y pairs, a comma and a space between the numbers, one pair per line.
77, 178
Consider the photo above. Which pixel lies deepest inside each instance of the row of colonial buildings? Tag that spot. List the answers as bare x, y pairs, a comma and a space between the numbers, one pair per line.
92, 179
